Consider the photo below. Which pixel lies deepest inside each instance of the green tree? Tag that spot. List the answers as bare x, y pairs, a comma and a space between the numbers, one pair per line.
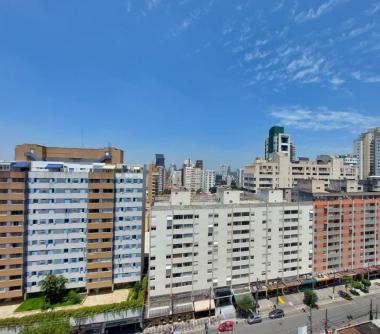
310, 298
246, 305
366, 282
356, 284
53, 287
212, 190
56, 327
347, 281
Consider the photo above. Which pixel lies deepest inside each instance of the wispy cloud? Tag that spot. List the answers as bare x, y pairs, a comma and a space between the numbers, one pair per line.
366, 77
323, 118
374, 9
361, 30
189, 20
314, 13
255, 54
305, 68
337, 81
152, 4
278, 6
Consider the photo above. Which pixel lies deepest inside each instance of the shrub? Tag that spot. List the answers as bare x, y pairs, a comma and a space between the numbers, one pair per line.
356, 285
73, 297
46, 305
57, 327
366, 282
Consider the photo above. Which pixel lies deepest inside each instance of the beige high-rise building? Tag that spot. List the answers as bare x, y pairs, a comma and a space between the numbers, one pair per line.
280, 172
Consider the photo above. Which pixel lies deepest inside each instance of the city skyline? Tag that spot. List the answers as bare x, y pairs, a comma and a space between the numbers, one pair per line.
230, 70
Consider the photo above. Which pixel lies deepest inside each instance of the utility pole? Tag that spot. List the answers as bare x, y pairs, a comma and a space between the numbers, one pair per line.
370, 311
326, 322
311, 321
333, 296
376, 310
277, 291
209, 306
368, 271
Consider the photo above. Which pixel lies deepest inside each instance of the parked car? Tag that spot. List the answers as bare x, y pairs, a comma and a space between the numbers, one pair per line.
254, 318
344, 295
354, 292
226, 326
278, 313
364, 289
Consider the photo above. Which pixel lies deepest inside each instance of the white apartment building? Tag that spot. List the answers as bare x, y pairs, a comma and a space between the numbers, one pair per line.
192, 178
280, 172
84, 222
240, 177
175, 179
199, 241
367, 150
208, 179
224, 170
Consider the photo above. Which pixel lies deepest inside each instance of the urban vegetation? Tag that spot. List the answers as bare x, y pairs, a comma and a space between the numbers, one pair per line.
246, 305
57, 327
135, 300
53, 294
350, 283
310, 298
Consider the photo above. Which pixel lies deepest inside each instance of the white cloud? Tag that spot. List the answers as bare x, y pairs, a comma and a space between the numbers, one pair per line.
128, 6
256, 54
366, 77
374, 9
323, 118
278, 6
306, 69
361, 30
151, 4
337, 81
312, 13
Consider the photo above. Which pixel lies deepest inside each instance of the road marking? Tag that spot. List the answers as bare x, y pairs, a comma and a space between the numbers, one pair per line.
281, 300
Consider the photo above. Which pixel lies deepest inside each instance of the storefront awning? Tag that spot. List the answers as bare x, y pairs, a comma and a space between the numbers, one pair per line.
204, 305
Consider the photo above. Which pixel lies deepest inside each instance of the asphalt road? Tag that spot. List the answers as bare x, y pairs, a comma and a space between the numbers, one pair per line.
338, 316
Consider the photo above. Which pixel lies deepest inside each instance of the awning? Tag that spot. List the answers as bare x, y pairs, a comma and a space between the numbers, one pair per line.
323, 279
204, 305
308, 281
21, 164
54, 166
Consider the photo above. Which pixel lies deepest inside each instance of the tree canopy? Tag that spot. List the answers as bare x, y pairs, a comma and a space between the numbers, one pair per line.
310, 298
53, 287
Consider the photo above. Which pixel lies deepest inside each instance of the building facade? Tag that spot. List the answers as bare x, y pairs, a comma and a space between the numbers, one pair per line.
208, 179
367, 150
13, 210
279, 142
192, 177
35, 152
280, 172
226, 240
346, 231
82, 221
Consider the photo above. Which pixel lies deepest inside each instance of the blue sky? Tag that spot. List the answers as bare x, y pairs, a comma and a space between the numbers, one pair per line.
203, 79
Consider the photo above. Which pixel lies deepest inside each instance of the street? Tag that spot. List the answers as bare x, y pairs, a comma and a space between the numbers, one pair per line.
338, 314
